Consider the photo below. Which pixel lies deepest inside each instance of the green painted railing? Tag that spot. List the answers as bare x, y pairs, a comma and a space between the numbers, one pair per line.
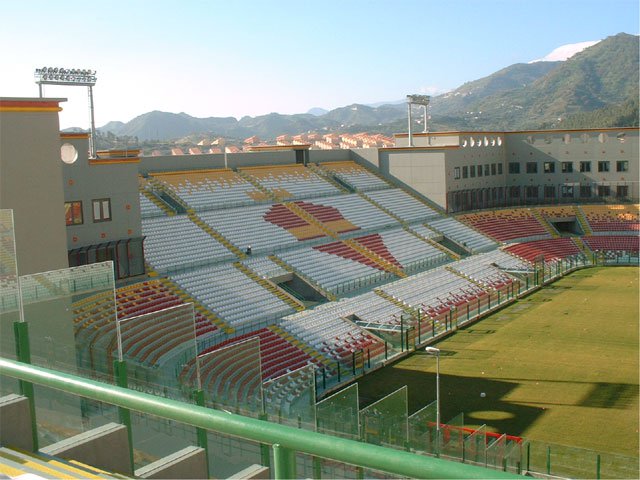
285, 440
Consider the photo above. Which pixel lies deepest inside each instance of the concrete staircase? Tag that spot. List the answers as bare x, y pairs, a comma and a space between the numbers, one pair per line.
160, 187
328, 176
386, 265
157, 202
582, 246
282, 295
394, 300
14, 463
371, 255
312, 352
220, 238
249, 178
385, 210
302, 213
467, 278
328, 295
543, 221
442, 248
582, 220
197, 306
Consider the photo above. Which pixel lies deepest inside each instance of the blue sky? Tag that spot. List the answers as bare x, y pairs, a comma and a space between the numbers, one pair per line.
252, 57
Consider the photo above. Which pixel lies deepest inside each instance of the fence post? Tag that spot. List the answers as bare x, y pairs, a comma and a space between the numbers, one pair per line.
265, 457
548, 460
353, 362
23, 354
124, 415
317, 468
284, 462
598, 466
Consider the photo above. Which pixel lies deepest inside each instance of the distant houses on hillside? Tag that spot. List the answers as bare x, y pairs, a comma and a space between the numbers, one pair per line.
329, 141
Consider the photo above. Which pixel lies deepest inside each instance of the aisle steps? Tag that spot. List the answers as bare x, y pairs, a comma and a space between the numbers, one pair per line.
284, 296
220, 238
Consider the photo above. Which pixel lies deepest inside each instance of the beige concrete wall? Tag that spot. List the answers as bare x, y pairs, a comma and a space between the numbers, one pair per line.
431, 139
479, 157
86, 182
421, 169
574, 146
105, 447
31, 184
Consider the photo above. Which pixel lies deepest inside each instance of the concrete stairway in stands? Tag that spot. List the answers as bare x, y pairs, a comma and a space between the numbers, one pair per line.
157, 202
582, 220
543, 221
219, 237
284, 296
15, 463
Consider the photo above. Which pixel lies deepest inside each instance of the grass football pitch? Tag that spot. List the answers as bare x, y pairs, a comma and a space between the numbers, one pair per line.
558, 366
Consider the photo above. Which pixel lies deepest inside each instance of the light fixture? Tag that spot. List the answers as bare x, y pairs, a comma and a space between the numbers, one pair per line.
72, 77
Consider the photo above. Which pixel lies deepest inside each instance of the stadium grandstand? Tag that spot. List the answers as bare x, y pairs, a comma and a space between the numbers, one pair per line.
262, 285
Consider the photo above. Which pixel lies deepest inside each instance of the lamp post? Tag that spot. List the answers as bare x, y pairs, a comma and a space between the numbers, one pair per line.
71, 77
416, 99
436, 352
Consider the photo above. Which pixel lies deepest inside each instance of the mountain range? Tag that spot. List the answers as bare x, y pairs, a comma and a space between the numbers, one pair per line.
520, 96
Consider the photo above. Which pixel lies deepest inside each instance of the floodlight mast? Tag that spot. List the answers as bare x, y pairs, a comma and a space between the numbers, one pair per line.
416, 99
71, 77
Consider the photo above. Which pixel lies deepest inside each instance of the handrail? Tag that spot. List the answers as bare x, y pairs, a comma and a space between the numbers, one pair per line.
309, 442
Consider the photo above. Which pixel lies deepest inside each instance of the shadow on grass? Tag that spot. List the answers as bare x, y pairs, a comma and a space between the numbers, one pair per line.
610, 395
458, 394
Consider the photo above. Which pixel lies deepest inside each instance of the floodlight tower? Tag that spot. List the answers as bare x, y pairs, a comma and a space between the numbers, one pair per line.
417, 100
71, 77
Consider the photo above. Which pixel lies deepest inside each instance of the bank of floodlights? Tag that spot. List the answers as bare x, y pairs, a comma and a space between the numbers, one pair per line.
65, 76
79, 77
422, 100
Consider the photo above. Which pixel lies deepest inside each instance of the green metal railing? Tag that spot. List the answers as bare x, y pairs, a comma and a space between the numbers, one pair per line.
285, 440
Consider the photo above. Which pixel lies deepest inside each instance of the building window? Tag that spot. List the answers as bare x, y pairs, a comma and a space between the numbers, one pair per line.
585, 167
622, 166
494, 169
479, 170
567, 138
456, 173
499, 169
73, 213
101, 210
622, 191
549, 167
514, 167
514, 191
531, 191
532, 167
603, 166
567, 167
487, 170
566, 191
585, 191
549, 191
472, 172
465, 172
604, 190
621, 137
